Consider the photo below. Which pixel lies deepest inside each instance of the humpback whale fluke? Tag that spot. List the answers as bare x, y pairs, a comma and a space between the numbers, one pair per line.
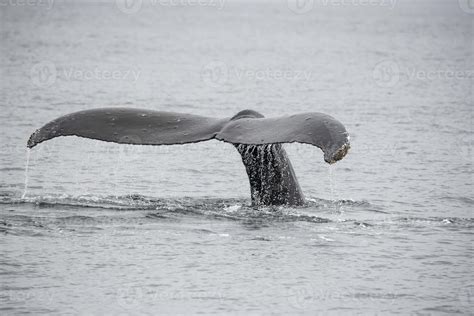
257, 139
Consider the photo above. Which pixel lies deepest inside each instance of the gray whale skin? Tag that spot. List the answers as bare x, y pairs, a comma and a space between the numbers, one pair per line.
258, 140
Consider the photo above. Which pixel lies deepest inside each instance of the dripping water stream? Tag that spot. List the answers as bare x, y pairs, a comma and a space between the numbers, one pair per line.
334, 196
25, 189
331, 181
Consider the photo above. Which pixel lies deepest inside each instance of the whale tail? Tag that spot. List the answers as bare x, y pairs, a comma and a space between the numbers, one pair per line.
258, 140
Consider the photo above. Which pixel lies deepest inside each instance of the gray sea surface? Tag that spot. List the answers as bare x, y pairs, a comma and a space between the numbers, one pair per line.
114, 229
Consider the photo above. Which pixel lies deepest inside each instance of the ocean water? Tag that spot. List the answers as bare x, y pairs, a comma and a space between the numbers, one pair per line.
118, 229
